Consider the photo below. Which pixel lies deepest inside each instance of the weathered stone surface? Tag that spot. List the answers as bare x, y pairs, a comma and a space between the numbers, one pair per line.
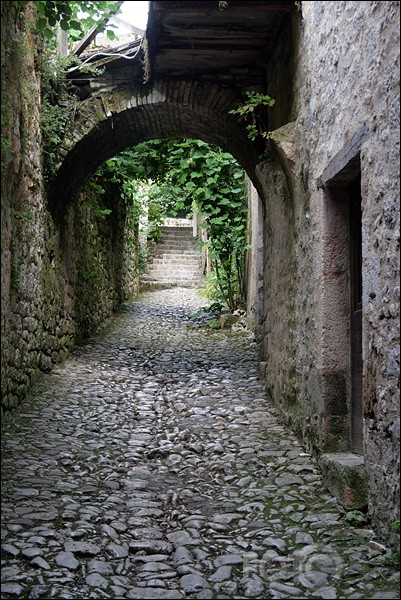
154, 593
96, 580
301, 256
67, 559
227, 519
345, 476
334, 118
192, 583
84, 548
64, 274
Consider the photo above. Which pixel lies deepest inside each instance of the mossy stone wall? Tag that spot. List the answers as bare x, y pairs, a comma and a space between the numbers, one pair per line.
59, 280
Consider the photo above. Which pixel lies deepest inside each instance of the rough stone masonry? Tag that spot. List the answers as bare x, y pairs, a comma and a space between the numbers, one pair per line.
150, 465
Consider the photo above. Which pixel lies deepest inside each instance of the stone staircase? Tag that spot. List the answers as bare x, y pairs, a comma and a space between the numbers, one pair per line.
176, 261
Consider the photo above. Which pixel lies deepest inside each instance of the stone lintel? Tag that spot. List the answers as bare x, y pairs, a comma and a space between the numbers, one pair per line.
345, 476
344, 166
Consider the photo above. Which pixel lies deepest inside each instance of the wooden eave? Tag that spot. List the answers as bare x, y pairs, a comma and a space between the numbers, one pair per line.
196, 39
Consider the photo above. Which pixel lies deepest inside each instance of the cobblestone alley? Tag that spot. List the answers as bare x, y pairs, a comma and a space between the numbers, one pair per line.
150, 465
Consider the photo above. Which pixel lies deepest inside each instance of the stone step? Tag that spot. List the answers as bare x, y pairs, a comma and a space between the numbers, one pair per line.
177, 243
176, 246
174, 266
166, 271
177, 236
150, 277
186, 231
176, 258
177, 240
166, 282
153, 285
173, 276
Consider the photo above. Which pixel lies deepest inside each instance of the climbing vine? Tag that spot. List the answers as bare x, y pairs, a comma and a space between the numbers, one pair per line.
209, 180
190, 175
185, 175
253, 113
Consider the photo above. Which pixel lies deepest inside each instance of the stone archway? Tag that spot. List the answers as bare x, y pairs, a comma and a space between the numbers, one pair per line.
110, 122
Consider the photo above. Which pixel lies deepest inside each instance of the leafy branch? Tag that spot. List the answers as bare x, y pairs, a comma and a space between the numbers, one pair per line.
252, 112
74, 17
190, 175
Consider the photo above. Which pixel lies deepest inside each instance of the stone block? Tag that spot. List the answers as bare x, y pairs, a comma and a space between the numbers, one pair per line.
228, 320
344, 475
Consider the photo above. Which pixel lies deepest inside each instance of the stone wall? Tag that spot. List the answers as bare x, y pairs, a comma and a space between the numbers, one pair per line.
345, 125
59, 281
254, 262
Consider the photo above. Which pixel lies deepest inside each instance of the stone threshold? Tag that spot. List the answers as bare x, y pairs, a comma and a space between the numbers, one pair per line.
345, 476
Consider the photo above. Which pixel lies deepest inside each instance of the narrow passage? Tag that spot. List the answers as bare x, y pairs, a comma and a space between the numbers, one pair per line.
150, 465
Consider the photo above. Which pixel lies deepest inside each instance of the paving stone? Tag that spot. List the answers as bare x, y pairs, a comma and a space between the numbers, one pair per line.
181, 538
38, 561
12, 589
254, 587
83, 548
182, 556
221, 574
229, 559
153, 567
38, 591
192, 583
154, 467
151, 546
9, 573
154, 594
116, 551
67, 560
96, 580
281, 590
10, 549
99, 566
328, 593
31, 552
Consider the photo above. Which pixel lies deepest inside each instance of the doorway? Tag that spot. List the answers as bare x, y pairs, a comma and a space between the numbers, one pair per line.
342, 364
355, 273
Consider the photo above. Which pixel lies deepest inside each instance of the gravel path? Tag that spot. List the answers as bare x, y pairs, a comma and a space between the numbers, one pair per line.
150, 465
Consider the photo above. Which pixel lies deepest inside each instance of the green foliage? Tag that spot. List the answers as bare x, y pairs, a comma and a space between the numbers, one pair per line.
168, 177
113, 172
191, 175
253, 113
93, 205
356, 517
395, 526
163, 178
211, 290
23, 215
214, 324
58, 105
392, 558
74, 17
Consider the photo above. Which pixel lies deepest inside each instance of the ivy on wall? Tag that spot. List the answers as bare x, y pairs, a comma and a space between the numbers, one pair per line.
189, 175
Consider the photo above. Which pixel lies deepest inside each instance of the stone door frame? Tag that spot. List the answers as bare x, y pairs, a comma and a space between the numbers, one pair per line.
341, 429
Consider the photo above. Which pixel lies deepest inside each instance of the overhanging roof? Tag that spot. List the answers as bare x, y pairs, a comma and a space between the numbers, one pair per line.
203, 40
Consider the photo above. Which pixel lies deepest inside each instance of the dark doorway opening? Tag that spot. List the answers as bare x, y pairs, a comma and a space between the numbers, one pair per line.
355, 264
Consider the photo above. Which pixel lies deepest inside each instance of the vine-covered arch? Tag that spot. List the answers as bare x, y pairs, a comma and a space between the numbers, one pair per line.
110, 122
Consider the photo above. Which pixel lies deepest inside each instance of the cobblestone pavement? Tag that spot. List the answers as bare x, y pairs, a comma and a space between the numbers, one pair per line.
150, 465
